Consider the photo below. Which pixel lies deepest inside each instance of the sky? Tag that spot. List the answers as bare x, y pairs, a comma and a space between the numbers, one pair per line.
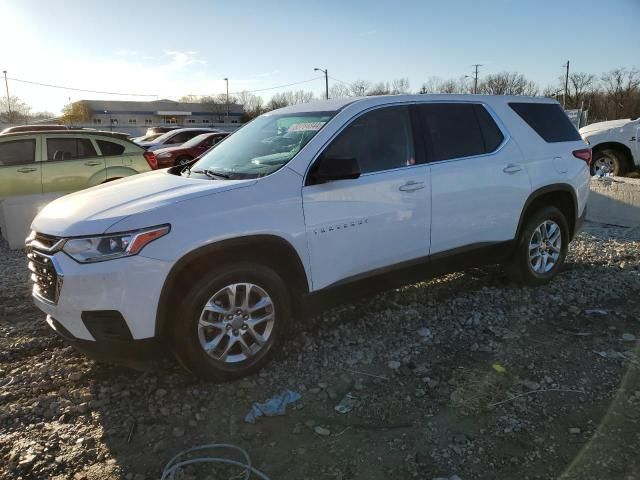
173, 48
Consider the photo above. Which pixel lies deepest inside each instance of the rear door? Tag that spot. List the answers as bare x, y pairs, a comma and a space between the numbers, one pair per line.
479, 181
20, 172
70, 163
113, 152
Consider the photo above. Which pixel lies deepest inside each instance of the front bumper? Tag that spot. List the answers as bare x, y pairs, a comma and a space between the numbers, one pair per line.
130, 286
132, 353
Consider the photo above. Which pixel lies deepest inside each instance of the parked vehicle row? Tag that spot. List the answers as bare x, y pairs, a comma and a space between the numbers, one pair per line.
66, 160
297, 204
182, 154
175, 137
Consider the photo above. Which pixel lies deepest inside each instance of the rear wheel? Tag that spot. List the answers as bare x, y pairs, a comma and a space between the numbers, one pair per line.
541, 248
233, 320
608, 161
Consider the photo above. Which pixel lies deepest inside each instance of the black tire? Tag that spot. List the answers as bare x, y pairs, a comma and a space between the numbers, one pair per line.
611, 161
520, 267
185, 337
182, 160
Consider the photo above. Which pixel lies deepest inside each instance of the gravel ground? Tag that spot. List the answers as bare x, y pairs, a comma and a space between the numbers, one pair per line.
465, 376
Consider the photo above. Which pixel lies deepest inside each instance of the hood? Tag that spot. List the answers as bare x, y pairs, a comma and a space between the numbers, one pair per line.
602, 126
93, 211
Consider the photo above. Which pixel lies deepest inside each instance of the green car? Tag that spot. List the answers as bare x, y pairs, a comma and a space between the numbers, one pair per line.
64, 161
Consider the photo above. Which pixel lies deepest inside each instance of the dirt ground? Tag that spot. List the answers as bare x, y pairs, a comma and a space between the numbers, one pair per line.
465, 376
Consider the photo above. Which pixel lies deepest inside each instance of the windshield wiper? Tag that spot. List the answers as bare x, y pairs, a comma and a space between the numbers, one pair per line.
213, 174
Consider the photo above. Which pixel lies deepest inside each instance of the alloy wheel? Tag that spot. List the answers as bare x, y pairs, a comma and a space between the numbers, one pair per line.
236, 322
545, 246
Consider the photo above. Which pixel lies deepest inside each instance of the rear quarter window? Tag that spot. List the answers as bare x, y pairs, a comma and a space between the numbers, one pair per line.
110, 148
548, 120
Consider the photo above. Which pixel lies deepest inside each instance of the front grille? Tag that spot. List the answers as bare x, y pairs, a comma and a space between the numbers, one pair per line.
46, 241
46, 278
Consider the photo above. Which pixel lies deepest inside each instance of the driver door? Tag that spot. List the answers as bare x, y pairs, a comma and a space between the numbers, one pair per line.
380, 219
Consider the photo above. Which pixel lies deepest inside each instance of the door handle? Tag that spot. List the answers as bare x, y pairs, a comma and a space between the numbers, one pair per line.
512, 168
92, 163
411, 186
27, 169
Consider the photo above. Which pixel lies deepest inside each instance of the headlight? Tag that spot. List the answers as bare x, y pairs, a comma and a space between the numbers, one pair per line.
164, 155
108, 247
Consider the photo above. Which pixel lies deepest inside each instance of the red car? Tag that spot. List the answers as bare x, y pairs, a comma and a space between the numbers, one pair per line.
179, 155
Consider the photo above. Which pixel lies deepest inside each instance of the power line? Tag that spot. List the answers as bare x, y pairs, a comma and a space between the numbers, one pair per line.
340, 81
279, 86
81, 89
154, 95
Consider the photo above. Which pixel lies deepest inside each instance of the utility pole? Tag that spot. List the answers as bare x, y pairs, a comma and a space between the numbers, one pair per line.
475, 77
6, 84
227, 120
326, 80
566, 86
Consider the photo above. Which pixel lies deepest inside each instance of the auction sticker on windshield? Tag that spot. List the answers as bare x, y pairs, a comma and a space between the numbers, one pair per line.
306, 127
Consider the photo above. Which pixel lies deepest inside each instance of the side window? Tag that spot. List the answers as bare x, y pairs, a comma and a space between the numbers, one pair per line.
183, 137
17, 152
491, 134
110, 148
379, 140
452, 129
548, 120
69, 148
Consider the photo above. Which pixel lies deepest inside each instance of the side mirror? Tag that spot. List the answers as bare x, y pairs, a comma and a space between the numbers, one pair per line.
337, 168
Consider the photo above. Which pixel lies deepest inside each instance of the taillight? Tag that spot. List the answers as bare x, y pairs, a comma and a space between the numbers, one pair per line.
583, 154
151, 159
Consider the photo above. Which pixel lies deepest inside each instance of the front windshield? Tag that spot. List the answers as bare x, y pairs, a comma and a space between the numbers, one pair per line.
262, 146
195, 140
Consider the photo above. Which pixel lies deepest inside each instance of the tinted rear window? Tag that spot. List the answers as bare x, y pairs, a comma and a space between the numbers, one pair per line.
110, 148
453, 130
548, 120
17, 152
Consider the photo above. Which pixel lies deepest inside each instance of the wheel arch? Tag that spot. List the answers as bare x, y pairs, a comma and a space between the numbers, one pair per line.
560, 195
618, 147
267, 249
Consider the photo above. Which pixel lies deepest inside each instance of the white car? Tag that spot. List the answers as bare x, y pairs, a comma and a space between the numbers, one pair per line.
174, 138
215, 260
615, 145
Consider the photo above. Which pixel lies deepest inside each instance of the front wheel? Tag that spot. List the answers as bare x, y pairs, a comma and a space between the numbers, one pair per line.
233, 320
541, 247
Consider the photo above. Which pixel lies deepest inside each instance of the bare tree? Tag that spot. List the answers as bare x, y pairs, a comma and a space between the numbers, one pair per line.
359, 88
400, 86
19, 109
340, 90
380, 88
432, 85
580, 83
621, 84
507, 83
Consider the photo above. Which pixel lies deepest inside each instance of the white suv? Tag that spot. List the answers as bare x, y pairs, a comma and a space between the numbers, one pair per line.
215, 260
